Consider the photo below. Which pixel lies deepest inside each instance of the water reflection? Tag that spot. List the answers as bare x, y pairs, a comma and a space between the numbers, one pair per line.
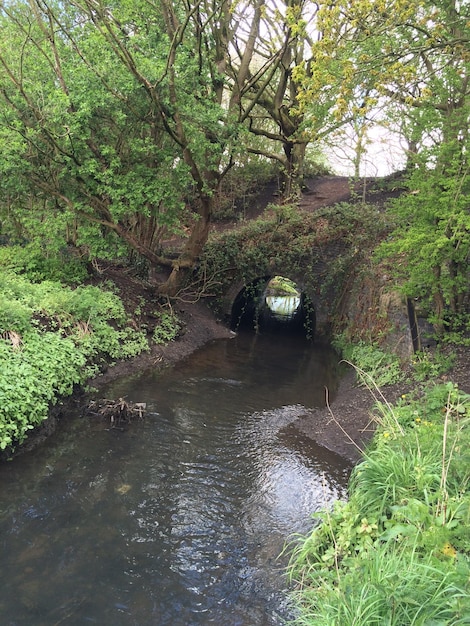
180, 519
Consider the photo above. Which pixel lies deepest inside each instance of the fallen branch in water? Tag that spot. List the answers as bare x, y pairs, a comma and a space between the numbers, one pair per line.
117, 411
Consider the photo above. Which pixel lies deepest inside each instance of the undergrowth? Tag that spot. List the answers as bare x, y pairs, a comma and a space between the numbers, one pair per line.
397, 552
51, 338
372, 363
382, 367
36, 263
168, 327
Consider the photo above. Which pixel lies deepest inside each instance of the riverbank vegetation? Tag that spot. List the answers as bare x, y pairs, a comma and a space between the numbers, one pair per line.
54, 337
398, 550
381, 367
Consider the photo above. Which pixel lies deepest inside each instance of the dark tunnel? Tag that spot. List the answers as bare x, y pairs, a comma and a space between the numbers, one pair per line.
259, 308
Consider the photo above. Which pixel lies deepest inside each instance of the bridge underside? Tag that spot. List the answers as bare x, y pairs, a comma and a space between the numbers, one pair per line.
255, 308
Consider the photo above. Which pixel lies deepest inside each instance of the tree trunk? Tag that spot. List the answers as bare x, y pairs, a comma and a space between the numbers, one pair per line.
293, 176
439, 303
184, 265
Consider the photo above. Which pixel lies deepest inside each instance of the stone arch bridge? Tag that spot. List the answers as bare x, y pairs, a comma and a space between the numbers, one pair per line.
322, 279
327, 256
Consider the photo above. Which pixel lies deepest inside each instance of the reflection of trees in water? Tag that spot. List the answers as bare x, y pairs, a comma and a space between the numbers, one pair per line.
271, 369
192, 503
283, 306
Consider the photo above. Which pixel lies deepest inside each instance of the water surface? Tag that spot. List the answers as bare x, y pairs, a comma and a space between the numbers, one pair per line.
178, 519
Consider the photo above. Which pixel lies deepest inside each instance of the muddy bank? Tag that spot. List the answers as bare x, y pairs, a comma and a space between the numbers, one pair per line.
348, 425
199, 327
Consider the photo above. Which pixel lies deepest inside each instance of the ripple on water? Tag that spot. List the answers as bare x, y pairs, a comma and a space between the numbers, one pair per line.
179, 520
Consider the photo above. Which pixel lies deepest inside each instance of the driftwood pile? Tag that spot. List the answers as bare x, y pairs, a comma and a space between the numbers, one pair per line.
117, 411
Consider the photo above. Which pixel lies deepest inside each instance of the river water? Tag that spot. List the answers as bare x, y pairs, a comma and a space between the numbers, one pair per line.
179, 519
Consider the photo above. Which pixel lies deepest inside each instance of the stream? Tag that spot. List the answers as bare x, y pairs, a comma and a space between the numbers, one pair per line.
177, 519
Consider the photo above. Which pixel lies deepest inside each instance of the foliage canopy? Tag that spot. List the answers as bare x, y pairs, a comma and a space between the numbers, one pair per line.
119, 121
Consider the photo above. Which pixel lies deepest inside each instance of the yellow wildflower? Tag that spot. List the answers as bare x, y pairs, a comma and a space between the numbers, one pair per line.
449, 550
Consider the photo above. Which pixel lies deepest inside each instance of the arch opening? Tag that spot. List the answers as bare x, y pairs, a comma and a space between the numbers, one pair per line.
273, 304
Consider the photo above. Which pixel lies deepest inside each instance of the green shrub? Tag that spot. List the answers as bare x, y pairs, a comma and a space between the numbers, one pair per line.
427, 365
100, 338
14, 316
36, 265
168, 327
428, 250
371, 362
31, 378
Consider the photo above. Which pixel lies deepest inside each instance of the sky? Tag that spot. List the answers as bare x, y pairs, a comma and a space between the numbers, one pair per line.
384, 155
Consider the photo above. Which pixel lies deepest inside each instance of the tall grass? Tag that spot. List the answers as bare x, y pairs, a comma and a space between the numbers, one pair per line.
398, 552
393, 586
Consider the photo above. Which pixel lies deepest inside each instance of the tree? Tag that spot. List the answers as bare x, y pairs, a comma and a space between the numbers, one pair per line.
120, 119
79, 136
115, 116
416, 55
436, 238
271, 101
